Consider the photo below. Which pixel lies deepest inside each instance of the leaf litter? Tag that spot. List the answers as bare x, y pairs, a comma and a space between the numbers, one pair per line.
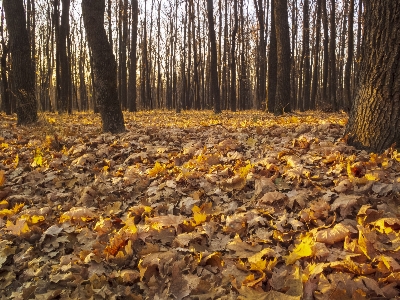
196, 206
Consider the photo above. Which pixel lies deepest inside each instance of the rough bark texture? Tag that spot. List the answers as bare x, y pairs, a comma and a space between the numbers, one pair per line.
282, 99
233, 57
306, 57
374, 122
272, 63
315, 72
64, 63
133, 64
349, 62
214, 60
105, 67
22, 67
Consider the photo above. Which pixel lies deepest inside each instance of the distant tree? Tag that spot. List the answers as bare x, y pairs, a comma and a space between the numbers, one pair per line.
233, 57
332, 59
349, 62
325, 68
104, 65
133, 59
214, 61
65, 77
374, 122
272, 63
261, 61
282, 100
305, 105
316, 57
6, 99
22, 67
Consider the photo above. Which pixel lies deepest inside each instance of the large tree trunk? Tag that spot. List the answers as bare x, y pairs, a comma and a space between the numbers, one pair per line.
214, 61
22, 67
105, 67
374, 122
282, 100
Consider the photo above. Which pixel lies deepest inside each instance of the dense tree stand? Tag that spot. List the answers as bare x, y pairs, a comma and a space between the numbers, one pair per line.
104, 65
22, 67
374, 122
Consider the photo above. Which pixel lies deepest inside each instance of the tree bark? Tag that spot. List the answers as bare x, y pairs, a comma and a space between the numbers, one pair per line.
22, 67
349, 62
214, 60
325, 68
332, 59
374, 122
272, 63
64, 63
133, 61
105, 68
306, 57
282, 103
262, 54
233, 56
316, 57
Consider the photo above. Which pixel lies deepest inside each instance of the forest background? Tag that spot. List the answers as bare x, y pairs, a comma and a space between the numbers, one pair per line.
173, 54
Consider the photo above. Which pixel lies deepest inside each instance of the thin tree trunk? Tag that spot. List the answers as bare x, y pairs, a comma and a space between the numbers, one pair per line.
306, 56
316, 57
272, 63
332, 59
233, 56
349, 62
214, 59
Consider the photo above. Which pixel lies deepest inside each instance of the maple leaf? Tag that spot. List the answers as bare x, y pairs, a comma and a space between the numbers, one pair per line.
38, 158
157, 169
303, 249
198, 216
20, 227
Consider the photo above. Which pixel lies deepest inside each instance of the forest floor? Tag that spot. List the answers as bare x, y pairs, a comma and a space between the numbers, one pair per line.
196, 206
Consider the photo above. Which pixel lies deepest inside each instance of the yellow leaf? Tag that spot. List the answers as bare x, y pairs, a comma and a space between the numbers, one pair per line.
244, 171
10, 212
38, 159
19, 228
6, 212
304, 249
130, 226
372, 176
2, 177
198, 216
36, 219
157, 169
16, 161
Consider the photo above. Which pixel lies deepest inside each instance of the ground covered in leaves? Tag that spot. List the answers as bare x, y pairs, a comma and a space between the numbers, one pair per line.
196, 206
